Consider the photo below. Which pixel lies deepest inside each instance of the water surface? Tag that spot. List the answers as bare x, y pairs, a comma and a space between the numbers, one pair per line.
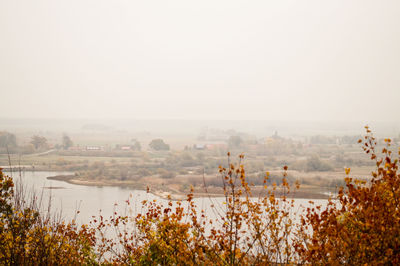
90, 200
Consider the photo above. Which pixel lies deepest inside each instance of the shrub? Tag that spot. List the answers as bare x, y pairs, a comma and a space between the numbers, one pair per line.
361, 226
28, 237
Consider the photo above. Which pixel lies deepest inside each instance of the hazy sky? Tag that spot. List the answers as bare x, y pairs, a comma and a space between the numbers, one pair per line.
222, 59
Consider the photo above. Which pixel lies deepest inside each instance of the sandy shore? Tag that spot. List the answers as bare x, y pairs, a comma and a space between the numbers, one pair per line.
72, 179
165, 193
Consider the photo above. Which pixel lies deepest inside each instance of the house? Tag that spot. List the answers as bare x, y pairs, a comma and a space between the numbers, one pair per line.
199, 146
95, 148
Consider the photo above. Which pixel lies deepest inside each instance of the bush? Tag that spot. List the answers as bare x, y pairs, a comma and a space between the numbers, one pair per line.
28, 237
314, 163
165, 174
361, 226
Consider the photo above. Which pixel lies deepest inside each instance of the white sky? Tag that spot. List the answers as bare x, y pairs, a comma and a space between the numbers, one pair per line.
209, 59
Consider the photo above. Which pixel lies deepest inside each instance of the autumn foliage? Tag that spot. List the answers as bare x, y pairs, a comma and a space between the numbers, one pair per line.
361, 225
28, 237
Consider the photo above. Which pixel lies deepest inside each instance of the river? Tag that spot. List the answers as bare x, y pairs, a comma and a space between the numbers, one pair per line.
67, 198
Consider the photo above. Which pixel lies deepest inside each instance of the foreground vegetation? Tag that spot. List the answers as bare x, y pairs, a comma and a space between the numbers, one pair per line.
361, 225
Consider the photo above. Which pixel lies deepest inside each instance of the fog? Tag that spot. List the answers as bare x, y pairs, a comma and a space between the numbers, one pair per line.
230, 60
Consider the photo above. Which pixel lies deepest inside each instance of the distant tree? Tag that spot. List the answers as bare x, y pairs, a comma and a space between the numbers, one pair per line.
39, 142
235, 141
136, 145
159, 145
123, 174
200, 157
66, 142
7, 140
314, 163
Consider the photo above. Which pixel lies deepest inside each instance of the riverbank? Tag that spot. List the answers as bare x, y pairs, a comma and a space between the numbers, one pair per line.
169, 191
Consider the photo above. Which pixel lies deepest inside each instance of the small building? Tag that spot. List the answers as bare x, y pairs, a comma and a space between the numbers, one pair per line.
199, 146
126, 148
95, 148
